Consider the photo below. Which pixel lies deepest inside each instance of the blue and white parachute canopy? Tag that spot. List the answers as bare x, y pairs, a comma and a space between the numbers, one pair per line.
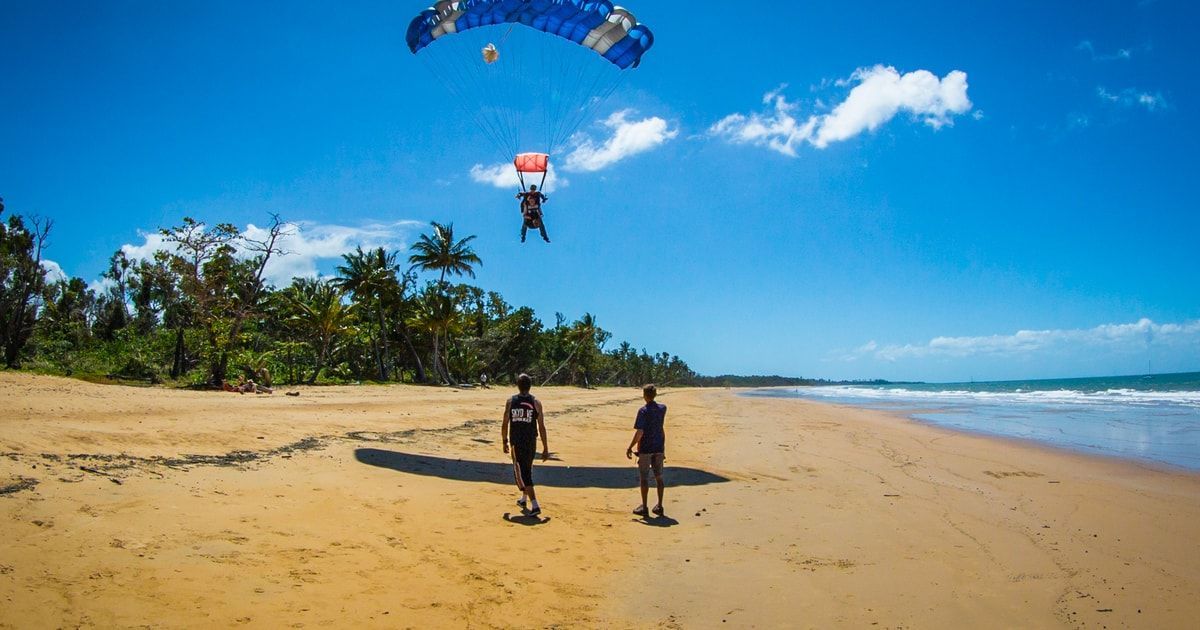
611, 31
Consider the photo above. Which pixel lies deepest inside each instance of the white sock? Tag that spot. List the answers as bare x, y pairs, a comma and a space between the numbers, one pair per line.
535, 503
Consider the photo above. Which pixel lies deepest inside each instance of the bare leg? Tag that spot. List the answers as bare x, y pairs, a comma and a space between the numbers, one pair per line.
659, 480
645, 483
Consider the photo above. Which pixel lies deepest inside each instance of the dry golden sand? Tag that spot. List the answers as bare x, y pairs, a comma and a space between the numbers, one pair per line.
392, 507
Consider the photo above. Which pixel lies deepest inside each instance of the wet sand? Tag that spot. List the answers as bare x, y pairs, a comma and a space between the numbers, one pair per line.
393, 507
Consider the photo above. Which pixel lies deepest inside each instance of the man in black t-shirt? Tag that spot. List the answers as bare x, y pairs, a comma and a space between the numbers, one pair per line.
523, 422
650, 441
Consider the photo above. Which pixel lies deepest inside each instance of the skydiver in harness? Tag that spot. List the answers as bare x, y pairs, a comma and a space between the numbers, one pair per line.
531, 212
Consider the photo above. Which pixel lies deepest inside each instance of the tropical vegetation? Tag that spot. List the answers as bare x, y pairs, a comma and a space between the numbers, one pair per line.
201, 311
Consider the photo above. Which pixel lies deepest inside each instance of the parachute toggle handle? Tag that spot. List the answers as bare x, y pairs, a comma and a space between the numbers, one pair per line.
532, 163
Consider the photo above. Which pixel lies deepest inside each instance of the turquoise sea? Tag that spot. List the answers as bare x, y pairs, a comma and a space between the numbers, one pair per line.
1151, 418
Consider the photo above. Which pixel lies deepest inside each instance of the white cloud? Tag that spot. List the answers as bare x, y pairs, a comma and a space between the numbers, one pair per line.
778, 130
883, 92
311, 243
53, 271
504, 175
306, 245
629, 138
879, 94
1137, 335
1133, 97
101, 286
1120, 55
151, 242
1151, 101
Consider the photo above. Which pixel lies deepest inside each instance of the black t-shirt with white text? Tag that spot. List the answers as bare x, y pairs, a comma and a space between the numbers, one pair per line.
522, 418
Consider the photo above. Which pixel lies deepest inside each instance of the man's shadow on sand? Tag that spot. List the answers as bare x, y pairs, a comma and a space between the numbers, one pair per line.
606, 477
656, 521
527, 520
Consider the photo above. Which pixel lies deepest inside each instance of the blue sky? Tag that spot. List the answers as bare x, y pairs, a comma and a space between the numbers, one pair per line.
934, 191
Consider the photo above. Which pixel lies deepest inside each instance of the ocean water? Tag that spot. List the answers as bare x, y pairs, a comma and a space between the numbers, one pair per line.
1153, 418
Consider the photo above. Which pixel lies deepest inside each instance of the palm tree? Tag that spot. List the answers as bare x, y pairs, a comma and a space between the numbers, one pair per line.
321, 315
582, 332
442, 253
369, 275
437, 315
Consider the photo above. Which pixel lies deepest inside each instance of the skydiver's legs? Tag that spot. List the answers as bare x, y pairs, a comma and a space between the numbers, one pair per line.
542, 229
524, 228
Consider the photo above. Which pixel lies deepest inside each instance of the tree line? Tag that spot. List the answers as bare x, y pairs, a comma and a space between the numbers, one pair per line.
201, 311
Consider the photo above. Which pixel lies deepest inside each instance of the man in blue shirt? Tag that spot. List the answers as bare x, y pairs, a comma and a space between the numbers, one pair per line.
650, 441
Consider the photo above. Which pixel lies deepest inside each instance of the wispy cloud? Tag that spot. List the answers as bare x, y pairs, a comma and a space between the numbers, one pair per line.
1120, 54
879, 94
627, 138
1136, 335
305, 246
777, 128
504, 175
1132, 97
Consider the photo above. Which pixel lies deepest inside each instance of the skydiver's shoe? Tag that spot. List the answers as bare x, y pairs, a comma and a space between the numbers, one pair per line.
546, 239
535, 511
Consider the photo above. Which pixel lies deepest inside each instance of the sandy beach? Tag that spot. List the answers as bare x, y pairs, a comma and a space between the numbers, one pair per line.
393, 507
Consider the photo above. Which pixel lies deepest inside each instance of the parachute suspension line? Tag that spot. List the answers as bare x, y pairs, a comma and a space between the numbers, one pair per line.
507, 33
475, 73
570, 122
520, 178
542, 186
453, 77
597, 80
518, 52
549, 94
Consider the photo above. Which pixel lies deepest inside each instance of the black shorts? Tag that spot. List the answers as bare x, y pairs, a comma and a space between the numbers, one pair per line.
522, 457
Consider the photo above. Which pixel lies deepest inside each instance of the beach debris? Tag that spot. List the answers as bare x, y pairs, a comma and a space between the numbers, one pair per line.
291, 393
1106, 610
21, 483
891, 495
101, 473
